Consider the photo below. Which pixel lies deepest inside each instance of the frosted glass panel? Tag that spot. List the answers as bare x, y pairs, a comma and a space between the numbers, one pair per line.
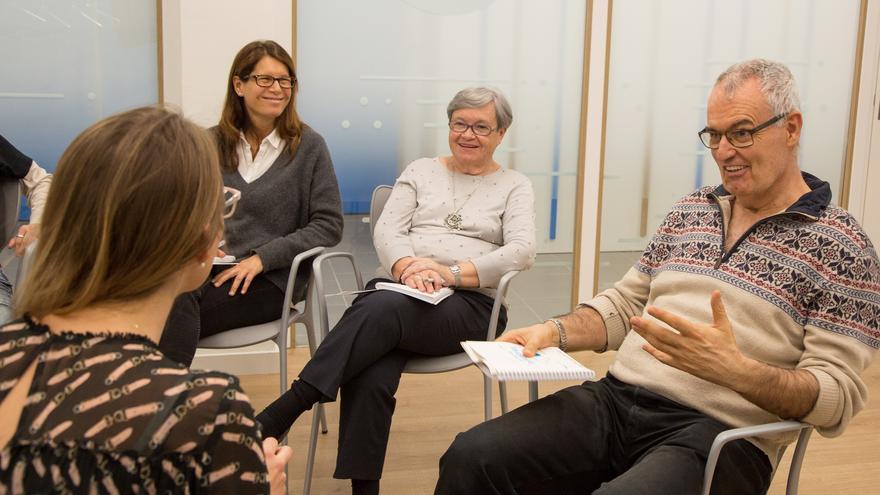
665, 56
376, 77
67, 64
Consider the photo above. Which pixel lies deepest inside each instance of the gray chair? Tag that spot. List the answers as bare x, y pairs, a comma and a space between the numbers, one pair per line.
768, 429
277, 329
11, 206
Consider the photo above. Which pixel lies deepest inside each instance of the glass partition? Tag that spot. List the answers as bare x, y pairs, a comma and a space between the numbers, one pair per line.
664, 58
376, 87
67, 64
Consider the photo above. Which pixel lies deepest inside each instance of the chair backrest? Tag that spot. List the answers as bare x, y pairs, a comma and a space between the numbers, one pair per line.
377, 204
11, 206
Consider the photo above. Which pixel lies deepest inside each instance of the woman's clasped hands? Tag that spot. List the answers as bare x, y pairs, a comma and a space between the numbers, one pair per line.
426, 275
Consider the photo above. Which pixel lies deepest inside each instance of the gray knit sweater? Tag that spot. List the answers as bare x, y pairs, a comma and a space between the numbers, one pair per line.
294, 206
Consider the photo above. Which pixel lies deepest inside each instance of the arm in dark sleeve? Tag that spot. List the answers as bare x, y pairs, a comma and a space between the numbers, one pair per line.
13, 163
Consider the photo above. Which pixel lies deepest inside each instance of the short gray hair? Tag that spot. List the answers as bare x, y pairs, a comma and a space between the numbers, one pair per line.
777, 83
481, 96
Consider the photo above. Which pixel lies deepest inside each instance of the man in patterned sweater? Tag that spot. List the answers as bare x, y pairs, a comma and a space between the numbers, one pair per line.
754, 301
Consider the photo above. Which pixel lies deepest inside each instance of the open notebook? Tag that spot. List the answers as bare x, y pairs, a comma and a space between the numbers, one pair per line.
505, 361
434, 298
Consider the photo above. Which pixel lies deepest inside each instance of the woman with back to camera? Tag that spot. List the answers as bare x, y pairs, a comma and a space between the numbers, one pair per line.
459, 221
89, 403
289, 202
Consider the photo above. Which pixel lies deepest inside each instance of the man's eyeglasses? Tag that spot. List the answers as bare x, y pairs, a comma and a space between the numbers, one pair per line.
738, 138
480, 129
230, 200
265, 81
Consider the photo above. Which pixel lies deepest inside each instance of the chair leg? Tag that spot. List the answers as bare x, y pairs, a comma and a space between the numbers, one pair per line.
282, 367
322, 417
286, 472
533, 391
502, 393
797, 460
311, 336
487, 397
312, 347
313, 445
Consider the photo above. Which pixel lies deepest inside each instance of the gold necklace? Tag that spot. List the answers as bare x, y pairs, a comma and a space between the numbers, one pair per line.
453, 221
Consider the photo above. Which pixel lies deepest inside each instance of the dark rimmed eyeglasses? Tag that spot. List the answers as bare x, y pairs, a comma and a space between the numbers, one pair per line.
738, 138
265, 81
480, 129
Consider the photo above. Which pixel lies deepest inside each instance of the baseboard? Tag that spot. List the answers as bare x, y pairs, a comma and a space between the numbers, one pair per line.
256, 359
253, 360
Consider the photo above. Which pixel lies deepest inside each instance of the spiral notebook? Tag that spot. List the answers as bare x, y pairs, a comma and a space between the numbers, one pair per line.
504, 361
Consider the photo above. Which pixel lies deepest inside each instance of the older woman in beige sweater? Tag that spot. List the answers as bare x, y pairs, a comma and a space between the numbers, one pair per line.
457, 221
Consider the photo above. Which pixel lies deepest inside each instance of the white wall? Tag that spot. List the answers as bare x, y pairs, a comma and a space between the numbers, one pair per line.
200, 39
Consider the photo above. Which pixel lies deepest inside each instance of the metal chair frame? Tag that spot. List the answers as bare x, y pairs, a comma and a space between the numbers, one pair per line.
797, 459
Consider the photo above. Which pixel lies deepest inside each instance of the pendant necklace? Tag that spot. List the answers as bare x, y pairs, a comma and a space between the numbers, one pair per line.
453, 221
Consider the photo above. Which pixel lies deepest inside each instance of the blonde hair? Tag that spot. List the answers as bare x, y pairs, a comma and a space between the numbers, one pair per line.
135, 197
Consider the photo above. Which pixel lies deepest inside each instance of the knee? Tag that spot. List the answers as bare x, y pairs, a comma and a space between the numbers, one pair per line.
371, 387
470, 452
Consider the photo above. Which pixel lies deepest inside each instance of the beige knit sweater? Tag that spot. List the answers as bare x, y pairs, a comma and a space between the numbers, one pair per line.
498, 220
801, 289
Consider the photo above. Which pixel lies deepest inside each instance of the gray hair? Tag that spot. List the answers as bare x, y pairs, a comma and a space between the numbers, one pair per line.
777, 84
481, 96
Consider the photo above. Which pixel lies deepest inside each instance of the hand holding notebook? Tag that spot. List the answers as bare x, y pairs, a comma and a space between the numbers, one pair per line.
505, 361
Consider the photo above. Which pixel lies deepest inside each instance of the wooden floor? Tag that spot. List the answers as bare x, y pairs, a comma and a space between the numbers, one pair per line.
432, 409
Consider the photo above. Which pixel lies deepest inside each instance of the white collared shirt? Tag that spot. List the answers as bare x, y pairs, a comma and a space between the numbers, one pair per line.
251, 169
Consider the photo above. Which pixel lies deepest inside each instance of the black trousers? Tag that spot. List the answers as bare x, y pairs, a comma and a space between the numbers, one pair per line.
364, 356
604, 437
209, 310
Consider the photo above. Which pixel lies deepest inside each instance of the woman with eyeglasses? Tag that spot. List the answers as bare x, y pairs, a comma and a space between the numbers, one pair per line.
459, 221
289, 202
89, 404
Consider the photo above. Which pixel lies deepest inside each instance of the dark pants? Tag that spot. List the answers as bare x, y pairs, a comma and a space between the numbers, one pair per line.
364, 356
603, 437
209, 310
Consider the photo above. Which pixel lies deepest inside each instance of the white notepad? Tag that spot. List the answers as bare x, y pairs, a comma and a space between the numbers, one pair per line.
504, 361
433, 298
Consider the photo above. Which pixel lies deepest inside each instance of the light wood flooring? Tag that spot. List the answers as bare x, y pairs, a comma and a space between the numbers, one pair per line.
432, 409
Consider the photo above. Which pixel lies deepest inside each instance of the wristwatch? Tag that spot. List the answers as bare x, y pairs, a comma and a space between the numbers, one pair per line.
456, 275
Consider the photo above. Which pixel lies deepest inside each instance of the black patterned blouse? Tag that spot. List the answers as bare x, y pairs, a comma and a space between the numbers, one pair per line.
108, 413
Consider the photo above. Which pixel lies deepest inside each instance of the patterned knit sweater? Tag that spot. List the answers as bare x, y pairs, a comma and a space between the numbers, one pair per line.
801, 289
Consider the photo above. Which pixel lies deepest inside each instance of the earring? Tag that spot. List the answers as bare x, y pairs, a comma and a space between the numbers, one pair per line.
202, 264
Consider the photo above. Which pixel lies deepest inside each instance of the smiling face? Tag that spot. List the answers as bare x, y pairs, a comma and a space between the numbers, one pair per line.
469, 149
767, 169
264, 105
